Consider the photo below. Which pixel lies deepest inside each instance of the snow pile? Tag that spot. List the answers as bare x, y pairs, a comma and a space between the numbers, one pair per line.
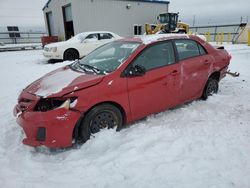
200, 144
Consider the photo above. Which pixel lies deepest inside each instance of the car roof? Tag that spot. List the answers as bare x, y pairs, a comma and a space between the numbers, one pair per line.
93, 32
148, 39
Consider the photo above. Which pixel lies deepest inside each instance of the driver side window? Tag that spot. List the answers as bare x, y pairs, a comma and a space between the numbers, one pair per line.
155, 56
92, 36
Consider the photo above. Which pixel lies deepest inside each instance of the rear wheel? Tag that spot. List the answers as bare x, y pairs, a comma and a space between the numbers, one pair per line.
71, 54
100, 117
211, 88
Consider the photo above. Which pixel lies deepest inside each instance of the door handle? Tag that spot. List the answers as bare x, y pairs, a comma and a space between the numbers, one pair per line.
174, 73
206, 61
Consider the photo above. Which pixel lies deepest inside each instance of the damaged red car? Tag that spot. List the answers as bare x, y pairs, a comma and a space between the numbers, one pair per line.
116, 84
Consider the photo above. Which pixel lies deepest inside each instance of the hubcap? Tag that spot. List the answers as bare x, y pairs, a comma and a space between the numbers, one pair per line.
211, 88
103, 120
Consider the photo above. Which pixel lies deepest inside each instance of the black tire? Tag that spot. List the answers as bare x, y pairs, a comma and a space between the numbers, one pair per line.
212, 87
101, 116
70, 55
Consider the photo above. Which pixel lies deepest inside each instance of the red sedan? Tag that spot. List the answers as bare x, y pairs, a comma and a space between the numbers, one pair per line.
116, 84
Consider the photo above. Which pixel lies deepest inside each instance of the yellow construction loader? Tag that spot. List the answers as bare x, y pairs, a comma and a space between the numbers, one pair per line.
167, 23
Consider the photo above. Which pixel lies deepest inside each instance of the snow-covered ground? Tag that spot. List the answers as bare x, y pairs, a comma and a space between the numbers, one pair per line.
203, 144
15, 47
20, 45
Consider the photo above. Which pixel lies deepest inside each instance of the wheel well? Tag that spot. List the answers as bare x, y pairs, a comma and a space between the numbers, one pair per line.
76, 130
215, 75
69, 50
114, 104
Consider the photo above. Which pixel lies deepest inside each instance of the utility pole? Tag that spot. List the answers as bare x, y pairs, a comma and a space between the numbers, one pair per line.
209, 21
194, 20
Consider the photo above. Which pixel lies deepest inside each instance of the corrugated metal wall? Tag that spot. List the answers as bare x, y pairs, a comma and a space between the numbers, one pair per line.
111, 15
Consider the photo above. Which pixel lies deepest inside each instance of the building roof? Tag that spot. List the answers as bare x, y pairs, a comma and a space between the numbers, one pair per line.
147, 1
152, 1
47, 4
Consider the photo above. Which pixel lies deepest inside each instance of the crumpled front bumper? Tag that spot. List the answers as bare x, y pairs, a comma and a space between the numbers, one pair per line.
53, 129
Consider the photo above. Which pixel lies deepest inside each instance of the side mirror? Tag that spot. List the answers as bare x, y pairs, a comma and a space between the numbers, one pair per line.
136, 70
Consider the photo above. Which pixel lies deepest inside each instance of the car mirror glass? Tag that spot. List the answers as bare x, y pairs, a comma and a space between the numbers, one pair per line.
137, 70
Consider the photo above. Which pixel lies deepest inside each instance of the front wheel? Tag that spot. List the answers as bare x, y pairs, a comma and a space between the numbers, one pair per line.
100, 117
211, 88
71, 55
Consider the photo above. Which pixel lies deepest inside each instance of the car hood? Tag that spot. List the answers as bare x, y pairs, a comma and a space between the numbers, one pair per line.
63, 43
62, 81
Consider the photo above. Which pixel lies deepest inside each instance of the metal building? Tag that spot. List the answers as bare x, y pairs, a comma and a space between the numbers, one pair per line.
65, 18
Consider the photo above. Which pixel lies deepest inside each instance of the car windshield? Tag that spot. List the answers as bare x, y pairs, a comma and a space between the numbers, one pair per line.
107, 58
79, 37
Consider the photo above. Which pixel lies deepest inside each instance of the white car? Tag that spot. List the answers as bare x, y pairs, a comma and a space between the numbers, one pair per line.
79, 45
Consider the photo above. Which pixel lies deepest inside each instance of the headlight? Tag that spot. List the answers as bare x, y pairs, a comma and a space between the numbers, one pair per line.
46, 49
53, 49
50, 104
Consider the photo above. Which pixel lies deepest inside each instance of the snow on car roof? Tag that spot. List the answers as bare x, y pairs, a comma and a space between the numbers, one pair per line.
92, 32
82, 35
147, 39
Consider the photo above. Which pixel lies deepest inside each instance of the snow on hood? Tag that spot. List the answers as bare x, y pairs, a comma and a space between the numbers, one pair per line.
59, 44
76, 39
61, 82
73, 40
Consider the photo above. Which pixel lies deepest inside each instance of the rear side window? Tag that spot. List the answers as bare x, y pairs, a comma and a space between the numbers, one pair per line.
156, 56
187, 49
105, 36
202, 50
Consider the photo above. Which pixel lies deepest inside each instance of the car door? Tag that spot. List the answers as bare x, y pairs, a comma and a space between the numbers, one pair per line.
195, 65
105, 38
90, 43
159, 87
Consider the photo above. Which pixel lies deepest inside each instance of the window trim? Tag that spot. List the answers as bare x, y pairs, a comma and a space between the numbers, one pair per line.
144, 49
177, 54
93, 34
106, 34
203, 49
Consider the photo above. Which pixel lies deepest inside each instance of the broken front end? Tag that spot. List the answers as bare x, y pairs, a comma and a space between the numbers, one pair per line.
47, 121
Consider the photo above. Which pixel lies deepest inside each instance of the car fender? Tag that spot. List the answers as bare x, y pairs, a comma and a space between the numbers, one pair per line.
91, 96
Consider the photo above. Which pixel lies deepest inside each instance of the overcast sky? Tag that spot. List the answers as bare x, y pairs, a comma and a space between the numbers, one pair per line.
21, 12
29, 12
211, 11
